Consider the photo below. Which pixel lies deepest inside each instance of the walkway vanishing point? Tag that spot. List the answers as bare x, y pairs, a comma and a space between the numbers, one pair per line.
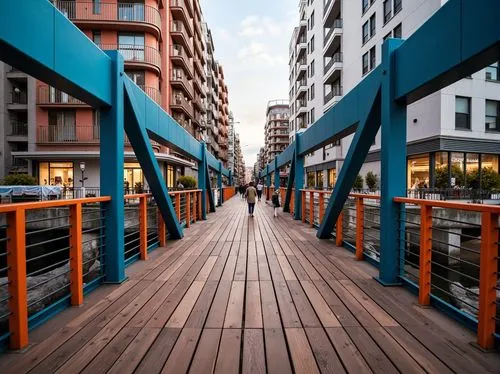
250, 295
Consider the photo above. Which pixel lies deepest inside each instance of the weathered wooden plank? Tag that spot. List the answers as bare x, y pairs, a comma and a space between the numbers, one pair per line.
234, 312
202, 307
207, 269
286, 268
302, 356
253, 311
228, 358
181, 313
264, 274
270, 313
277, 358
303, 306
289, 315
228, 273
254, 359
240, 271
325, 314
157, 355
217, 312
327, 359
206, 353
348, 352
182, 352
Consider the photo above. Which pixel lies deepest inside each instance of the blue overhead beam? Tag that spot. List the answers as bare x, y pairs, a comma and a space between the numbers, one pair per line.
39, 40
462, 37
286, 156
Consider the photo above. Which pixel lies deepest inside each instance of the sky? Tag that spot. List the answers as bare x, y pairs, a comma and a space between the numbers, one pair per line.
251, 39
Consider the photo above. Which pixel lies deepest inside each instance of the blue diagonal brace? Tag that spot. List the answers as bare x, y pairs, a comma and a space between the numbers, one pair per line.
211, 200
141, 144
289, 185
360, 145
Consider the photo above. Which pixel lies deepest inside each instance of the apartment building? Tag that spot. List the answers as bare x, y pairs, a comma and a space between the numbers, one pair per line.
164, 45
276, 128
453, 134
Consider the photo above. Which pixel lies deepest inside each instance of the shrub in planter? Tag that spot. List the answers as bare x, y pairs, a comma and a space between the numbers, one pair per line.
358, 183
19, 180
371, 180
188, 182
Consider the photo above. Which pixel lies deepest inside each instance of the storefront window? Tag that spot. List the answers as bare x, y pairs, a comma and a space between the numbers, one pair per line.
472, 170
133, 177
490, 180
457, 170
418, 171
170, 176
310, 179
332, 175
56, 174
319, 179
441, 171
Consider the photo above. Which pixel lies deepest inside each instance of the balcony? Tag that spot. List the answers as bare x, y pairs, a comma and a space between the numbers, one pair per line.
331, 11
182, 10
199, 87
18, 100
332, 70
301, 107
333, 96
53, 98
179, 57
301, 68
141, 56
301, 47
199, 68
197, 102
18, 130
331, 41
153, 93
180, 36
118, 16
181, 103
301, 88
68, 133
179, 80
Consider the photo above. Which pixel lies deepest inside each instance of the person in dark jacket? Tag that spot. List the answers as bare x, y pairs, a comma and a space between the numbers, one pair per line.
275, 199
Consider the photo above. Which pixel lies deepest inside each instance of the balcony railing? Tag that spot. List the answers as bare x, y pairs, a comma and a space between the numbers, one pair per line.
337, 57
120, 12
336, 91
19, 129
49, 96
181, 78
18, 97
179, 100
70, 133
182, 4
337, 24
152, 92
136, 53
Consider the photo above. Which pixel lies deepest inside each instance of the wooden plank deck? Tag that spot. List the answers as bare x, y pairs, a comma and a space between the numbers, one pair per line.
250, 295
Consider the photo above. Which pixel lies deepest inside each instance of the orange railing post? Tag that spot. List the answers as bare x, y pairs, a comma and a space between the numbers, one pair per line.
424, 281
188, 209
292, 203
76, 254
16, 262
311, 208
162, 230
200, 214
178, 206
303, 206
321, 203
143, 227
360, 219
195, 197
339, 235
488, 268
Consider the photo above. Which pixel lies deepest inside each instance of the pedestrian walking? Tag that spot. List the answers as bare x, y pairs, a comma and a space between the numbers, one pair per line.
251, 194
260, 187
275, 199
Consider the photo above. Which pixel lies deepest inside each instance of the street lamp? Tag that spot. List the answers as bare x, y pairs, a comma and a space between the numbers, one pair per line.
82, 181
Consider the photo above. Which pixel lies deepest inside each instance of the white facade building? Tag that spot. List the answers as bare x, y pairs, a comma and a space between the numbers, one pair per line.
456, 129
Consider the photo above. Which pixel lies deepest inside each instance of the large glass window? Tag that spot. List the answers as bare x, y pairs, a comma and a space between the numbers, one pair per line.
441, 172
492, 120
462, 112
492, 72
131, 46
170, 176
56, 174
133, 177
398, 32
130, 10
457, 170
387, 10
365, 66
365, 31
472, 170
311, 179
365, 5
418, 172
62, 126
373, 25
319, 178
490, 179
332, 176
398, 5
373, 58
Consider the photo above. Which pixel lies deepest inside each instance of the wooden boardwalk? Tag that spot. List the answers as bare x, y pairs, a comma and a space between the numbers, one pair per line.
250, 295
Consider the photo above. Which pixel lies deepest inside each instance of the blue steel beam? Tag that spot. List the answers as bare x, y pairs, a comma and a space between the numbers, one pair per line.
39, 40
461, 38
286, 156
289, 185
214, 164
138, 136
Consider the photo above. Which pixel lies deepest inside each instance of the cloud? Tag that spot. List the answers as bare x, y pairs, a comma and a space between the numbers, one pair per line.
253, 25
256, 53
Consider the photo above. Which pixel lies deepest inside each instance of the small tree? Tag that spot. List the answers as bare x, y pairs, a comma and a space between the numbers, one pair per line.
371, 180
187, 181
358, 183
19, 180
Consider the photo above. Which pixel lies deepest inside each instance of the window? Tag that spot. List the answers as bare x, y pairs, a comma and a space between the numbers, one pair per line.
312, 20
138, 77
462, 112
131, 46
312, 44
365, 65
492, 72
312, 115
492, 121
365, 32
398, 31
62, 126
373, 58
373, 25
133, 178
332, 174
388, 36
418, 172
96, 37
387, 10
365, 4
56, 174
312, 91
131, 11
312, 68
96, 6
398, 5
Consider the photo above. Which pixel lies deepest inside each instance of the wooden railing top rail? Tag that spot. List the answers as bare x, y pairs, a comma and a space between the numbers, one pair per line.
7, 208
450, 205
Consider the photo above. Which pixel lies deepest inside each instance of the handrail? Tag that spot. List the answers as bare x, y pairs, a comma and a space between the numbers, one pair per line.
483, 208
12, 207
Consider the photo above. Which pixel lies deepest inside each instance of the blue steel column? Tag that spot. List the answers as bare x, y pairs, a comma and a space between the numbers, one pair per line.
276, 174
299, 178
202, 180
268, 179
111, 174
220, 199
289, 185
393, 168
